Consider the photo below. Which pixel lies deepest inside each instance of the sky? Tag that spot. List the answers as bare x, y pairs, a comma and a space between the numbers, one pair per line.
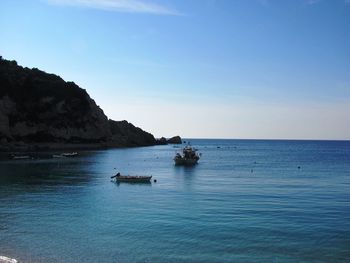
245, 69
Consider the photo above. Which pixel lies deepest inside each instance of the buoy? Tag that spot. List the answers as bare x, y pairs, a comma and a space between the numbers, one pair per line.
298, 167
155, 180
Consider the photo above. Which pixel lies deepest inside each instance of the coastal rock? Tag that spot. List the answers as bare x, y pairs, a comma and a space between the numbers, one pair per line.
37, 107
175, 140
6, 107
162, 141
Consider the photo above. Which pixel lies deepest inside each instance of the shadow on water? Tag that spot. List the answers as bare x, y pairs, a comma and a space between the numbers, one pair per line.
32, 194
18, 177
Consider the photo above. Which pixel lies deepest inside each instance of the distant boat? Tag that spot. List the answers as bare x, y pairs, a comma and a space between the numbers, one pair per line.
189, 156
57, 156
72, 154
132, 178
20, 157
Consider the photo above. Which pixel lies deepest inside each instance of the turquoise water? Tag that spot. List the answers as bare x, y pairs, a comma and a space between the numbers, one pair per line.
246, 201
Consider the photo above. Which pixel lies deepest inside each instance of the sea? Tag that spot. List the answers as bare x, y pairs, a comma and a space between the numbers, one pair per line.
245, 201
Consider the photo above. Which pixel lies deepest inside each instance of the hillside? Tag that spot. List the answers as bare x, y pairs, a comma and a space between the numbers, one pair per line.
37, 107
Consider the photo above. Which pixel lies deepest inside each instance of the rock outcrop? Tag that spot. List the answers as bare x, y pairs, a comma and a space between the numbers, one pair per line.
37, 107
174, 140
162, 141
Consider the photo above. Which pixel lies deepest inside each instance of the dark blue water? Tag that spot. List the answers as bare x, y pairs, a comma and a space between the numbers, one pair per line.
246, 201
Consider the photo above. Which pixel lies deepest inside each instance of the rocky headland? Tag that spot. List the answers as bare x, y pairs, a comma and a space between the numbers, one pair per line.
42, 111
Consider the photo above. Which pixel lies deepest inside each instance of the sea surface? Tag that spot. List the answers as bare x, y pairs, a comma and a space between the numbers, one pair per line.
246, 201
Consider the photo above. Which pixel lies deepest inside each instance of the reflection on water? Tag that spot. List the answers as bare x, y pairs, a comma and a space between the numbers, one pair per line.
133, 183
69, 210
186, 174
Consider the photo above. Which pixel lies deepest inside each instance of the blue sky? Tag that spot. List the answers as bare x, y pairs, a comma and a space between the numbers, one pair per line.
197, 68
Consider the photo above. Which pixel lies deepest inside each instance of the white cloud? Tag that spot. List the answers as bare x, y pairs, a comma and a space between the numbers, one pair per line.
130, 6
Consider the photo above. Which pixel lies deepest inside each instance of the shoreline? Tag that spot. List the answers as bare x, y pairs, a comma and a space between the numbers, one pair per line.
20, 147
4, 259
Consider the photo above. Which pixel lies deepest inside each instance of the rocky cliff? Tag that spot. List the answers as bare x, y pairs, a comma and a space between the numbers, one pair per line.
37, 107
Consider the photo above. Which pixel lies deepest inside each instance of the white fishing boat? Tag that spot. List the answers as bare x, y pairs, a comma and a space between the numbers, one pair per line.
189, 156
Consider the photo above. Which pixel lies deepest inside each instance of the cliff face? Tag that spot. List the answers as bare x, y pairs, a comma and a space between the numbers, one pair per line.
39, 107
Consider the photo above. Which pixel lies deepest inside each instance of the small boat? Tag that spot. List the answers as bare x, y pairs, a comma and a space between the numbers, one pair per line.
189, 156
131, 178
72, 154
